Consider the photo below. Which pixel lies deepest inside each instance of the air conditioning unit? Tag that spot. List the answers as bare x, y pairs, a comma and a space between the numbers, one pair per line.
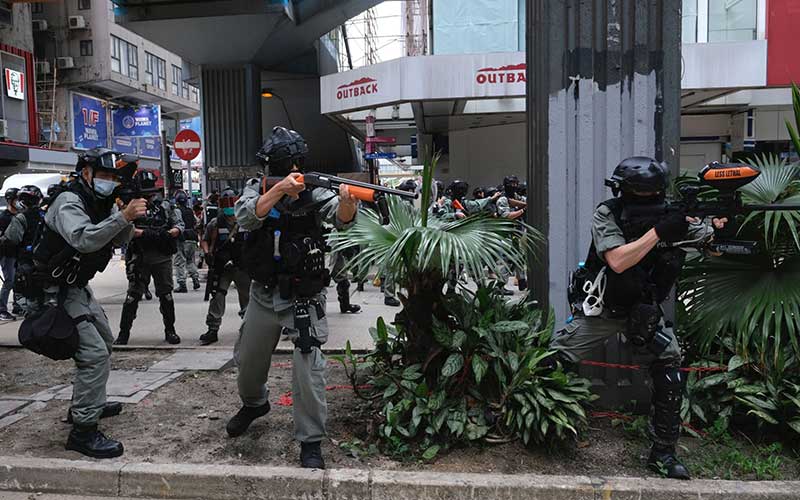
3, 129
43, 67
65, 62
77, 22
39, 25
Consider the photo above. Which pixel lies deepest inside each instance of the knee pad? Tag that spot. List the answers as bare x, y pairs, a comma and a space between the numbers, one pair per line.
167, 296
667, 376
133, 298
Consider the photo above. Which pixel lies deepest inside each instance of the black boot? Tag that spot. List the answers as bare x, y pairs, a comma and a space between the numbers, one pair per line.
167, 308
209, 337
523, 285
391, 302
311, 456
129, 309
343, 293
88, 440
195, 284
244, 417
109, 410
665, 425
181, 288
147, 294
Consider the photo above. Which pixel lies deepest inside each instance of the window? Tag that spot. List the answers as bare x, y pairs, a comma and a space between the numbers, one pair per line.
116, 54
37, 8
195, 93
124, 57
87, 48
689, 21
133, 61
149, 68
185, 90
732, 20
161, 73
84, 4
176, 79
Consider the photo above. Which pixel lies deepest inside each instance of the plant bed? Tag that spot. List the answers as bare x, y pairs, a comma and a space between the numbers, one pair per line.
184, 421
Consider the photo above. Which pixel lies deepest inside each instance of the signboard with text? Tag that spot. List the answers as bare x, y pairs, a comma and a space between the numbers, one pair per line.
89, 122
124, 145
150, 147
142, 121
15, 84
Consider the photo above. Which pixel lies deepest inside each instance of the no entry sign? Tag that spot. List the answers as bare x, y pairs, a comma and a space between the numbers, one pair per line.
187, 145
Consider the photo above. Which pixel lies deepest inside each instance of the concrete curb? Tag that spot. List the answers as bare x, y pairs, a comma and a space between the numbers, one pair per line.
278, 350
190, 481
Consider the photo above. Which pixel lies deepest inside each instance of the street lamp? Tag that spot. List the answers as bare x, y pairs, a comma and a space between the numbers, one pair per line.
270, 94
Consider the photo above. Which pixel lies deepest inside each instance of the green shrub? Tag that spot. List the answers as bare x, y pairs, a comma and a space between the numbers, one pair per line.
482, 380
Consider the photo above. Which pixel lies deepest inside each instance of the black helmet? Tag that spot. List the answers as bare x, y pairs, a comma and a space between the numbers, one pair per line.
181, 198
29, 196
123, 165
523, 188
639, 174
283, 149
409, 185
490, 191
458, 189
11, 194
510, 184
479, 193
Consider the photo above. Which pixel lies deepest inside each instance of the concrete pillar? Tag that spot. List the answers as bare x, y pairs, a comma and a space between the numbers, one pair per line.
231, 117
603, 85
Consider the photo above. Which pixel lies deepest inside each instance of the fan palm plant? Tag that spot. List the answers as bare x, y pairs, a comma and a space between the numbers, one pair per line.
753, 301
419, 254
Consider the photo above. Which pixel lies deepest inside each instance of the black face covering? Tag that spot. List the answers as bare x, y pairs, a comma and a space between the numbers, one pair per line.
635, 199
282, 168
511, 190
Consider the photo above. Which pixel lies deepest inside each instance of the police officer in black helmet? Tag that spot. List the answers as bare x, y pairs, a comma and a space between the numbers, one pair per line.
285, 255
149, 254
629, 277
81, 228
8, 257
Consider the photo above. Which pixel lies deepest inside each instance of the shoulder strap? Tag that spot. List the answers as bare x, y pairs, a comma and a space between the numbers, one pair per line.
616, 207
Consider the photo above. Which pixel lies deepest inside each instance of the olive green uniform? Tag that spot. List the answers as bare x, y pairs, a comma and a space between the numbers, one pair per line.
583, 334
68, 217
266, 315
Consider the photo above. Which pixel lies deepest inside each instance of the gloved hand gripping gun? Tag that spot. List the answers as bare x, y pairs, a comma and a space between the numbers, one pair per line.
727, 179
370, 193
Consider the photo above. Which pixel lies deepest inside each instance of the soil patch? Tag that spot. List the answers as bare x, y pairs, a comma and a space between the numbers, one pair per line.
184, 421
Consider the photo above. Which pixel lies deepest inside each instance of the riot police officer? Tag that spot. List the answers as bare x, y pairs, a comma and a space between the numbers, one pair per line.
77, 241
630, 274
8, 257
223, 253
285, 255
149, 253
22, 231
185, 257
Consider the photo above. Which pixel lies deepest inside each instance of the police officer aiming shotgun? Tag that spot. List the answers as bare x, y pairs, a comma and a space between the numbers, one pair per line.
285, 255
629, 272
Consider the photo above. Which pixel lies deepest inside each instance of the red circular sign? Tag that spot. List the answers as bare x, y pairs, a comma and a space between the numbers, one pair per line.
187, 145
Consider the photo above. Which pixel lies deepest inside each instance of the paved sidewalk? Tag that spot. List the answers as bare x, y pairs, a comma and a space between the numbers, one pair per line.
110, 288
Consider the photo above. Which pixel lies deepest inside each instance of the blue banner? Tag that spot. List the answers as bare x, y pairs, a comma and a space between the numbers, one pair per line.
136, 122
124, 145
90, 122
150, 147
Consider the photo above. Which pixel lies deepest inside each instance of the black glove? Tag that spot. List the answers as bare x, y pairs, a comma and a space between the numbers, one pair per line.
672, 228
150, 234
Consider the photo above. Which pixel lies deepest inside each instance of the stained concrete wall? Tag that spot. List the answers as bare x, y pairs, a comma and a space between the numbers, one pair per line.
18, 34
603, 85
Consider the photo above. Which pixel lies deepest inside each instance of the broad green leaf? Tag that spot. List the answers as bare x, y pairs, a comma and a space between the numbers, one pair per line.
452, 365
479, 368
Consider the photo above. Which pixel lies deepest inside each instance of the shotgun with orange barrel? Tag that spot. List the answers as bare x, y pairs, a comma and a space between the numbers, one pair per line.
726, 179
369, 193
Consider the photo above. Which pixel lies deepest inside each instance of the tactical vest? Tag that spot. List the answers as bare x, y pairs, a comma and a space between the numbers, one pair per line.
157, 221
189, 232
6, 250
648, 282
288, 251
64, 265
228, 245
